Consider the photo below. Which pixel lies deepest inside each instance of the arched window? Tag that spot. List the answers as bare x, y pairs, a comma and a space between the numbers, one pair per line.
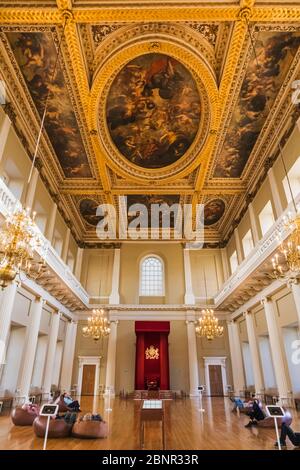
152, 277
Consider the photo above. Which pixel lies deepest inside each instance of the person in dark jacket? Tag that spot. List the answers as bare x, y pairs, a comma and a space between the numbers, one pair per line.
256, 414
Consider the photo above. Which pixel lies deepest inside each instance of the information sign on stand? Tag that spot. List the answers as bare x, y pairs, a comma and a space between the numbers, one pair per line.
201, 389
276, 412
49, 410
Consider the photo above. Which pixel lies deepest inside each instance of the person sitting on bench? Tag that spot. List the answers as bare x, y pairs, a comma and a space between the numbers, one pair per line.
256, 414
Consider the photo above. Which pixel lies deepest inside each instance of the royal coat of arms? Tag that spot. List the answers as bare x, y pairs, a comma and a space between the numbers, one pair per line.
152, 352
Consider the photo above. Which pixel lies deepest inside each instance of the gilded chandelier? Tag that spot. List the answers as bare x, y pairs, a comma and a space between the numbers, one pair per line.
290, 251
19, 238
208, 325
97, 327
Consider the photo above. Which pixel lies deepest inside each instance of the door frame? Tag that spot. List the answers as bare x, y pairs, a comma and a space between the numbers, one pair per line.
215, 361
84, 361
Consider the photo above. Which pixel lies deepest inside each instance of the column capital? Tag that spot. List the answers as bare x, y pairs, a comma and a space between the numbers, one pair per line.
292, 281
265, 300
246, 313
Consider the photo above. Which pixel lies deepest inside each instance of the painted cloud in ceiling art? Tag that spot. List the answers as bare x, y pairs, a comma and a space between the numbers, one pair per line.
36, 55
275, 52
153, 111
88, 208
213, 211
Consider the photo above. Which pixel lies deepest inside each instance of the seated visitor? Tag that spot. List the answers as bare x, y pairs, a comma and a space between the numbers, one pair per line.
238, 404
286, 431
31, 408
69, 417
90, 417
69, 402
256, 414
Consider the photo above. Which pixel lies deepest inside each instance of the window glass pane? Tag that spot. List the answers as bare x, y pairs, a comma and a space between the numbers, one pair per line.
151, 277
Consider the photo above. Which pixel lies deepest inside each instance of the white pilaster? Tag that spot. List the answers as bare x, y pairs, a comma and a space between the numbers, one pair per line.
31, 339
31, 189
111, 357
50, 358
225, 263
4, 131
253, 223
189, 297
238, 245
114, 297
275, 193
51, 223
236, 357
277, 349
65, 381
73, 345
295, 287
255, 357
78, 264
6, 307
193, 358
65, 250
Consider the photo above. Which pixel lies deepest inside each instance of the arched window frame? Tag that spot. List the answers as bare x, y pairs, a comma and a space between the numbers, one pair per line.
141, 292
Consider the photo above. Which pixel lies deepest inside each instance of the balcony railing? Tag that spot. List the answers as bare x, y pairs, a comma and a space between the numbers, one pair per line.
260, 252
8, 203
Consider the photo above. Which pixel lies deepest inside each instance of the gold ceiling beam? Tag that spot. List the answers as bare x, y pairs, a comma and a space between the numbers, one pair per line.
208, 13
225, 90
79, 72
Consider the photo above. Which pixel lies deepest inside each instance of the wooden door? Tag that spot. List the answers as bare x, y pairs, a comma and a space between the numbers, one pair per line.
88, 379
216, 382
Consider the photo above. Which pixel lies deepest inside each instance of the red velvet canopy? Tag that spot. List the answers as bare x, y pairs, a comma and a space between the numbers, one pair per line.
156, 369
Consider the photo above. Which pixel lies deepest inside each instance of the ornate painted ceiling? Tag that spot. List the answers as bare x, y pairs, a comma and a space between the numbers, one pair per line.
158, 104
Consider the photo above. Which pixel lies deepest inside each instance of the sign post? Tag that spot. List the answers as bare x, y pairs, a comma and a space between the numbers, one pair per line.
276, 412
50, 411
201, 389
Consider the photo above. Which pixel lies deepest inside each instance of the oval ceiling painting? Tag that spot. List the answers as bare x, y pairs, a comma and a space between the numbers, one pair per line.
213, 211
88, 208
153, 110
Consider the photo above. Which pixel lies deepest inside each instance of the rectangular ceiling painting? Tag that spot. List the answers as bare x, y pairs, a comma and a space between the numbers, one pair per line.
275, 53
36, 57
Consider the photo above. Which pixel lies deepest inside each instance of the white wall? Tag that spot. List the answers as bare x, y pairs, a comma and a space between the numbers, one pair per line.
13, 359
247, 364
39, 362
267, 362
289, 336
57, 363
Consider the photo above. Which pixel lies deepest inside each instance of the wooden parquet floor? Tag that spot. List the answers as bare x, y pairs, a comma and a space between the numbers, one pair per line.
186, 428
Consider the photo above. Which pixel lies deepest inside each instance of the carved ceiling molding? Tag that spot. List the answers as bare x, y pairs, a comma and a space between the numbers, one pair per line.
132, 13
231, 70
208, 94
175, 32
